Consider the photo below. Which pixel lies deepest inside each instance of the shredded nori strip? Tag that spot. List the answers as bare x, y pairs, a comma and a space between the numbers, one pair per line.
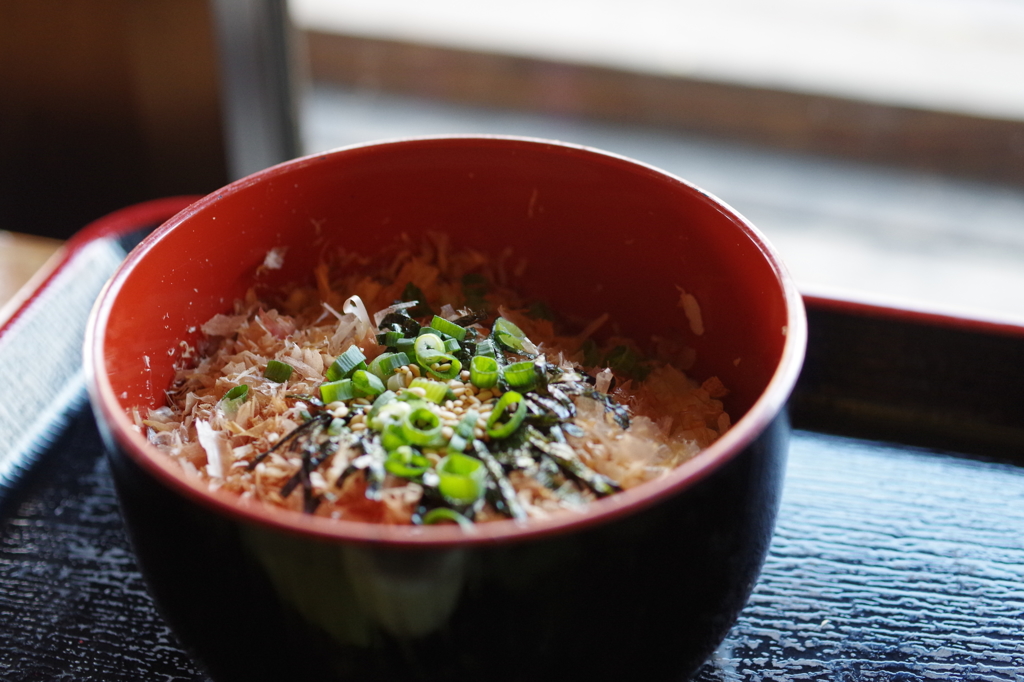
283, 444
619, 412
404, 322
413, 294
506, 501
567, 460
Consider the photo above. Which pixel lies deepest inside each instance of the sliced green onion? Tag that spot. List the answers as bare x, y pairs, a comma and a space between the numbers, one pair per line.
435, 390
346, 363
457, 444
464, 432
467, 424
333, 391
278, 371
386, 364
239, 393
391, 412
379, 402
448, 327
392, 437
483, 371
438, 370
405, 462
406, 345
367, 385
422, 427
508, 334
428, 346
498, 429
452, 345
462, 479
440, 514
486, 348
234, 398
392, 337
431, 355
521, 375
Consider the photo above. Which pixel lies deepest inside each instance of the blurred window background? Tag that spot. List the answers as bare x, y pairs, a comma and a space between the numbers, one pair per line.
878, 143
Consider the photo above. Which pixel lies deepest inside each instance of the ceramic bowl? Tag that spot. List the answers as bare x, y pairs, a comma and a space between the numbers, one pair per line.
646, 583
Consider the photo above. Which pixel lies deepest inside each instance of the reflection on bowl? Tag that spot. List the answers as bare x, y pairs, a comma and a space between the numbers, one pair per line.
646, 582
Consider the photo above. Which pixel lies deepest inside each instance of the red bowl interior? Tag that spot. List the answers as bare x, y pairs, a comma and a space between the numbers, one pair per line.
600, 233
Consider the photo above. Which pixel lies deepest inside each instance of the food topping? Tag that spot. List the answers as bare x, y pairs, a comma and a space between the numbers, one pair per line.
427, 413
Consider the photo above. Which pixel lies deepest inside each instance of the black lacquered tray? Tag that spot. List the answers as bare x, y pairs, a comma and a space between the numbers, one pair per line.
899, 552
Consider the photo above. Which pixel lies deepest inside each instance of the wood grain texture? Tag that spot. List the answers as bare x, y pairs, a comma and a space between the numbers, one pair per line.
889, 564
73, 605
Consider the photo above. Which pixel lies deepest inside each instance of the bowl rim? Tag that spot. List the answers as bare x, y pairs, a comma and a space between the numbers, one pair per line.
742, 433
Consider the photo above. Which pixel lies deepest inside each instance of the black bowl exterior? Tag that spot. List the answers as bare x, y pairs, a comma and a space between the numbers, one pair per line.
647, 595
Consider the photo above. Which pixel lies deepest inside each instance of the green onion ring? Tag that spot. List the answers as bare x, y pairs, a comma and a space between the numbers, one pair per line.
439, 514
521, 375
405, 462
367, 385
277, 371
447, 327
483, 371
418, 435
498, 430
462, 479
